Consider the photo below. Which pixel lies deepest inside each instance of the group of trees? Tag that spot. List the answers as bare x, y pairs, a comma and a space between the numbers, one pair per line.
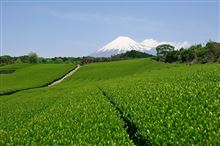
59, 60
128, 55
132, 54
33, 58
194, 54
30, 58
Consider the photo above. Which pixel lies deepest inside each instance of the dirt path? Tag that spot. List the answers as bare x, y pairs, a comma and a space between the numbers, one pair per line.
67, 75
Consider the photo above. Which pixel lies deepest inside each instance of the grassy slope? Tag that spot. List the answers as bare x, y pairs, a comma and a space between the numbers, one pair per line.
102, 72
172, 104
29, 76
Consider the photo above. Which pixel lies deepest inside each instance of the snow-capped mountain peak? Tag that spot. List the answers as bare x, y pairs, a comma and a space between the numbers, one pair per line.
121, 44
151, 43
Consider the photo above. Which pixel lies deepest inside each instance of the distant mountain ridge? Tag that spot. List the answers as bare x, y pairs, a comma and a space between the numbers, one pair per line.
123, 44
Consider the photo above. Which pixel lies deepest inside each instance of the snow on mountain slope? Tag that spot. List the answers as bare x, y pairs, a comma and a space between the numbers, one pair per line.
123, 44
120, 45
151, 43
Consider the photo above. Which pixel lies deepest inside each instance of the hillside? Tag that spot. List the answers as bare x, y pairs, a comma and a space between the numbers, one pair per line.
26, 76
132, 102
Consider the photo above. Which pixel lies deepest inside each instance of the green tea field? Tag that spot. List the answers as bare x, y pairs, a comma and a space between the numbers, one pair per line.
22, 76
132, 102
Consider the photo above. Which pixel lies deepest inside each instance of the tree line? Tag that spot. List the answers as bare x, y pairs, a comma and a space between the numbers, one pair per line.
209, 53
123, 56
33, 59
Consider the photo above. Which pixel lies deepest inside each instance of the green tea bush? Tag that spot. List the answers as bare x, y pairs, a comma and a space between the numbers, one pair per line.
167, 104
30, 76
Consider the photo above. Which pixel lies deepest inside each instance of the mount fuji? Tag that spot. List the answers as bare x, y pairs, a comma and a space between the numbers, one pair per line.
123, 44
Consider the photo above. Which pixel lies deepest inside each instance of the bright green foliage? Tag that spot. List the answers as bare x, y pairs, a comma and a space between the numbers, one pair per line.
170, 104
171, 110
118, 69
29, 76
63, 117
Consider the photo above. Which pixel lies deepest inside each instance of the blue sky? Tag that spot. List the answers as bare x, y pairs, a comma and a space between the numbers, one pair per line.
79, 28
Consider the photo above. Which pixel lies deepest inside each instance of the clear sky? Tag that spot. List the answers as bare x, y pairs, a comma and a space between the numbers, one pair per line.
79, 28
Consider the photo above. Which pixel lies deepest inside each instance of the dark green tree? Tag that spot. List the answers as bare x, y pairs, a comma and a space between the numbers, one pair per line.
212, 51
32, 57
6, 59
171, 56
186, 55
162, 51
